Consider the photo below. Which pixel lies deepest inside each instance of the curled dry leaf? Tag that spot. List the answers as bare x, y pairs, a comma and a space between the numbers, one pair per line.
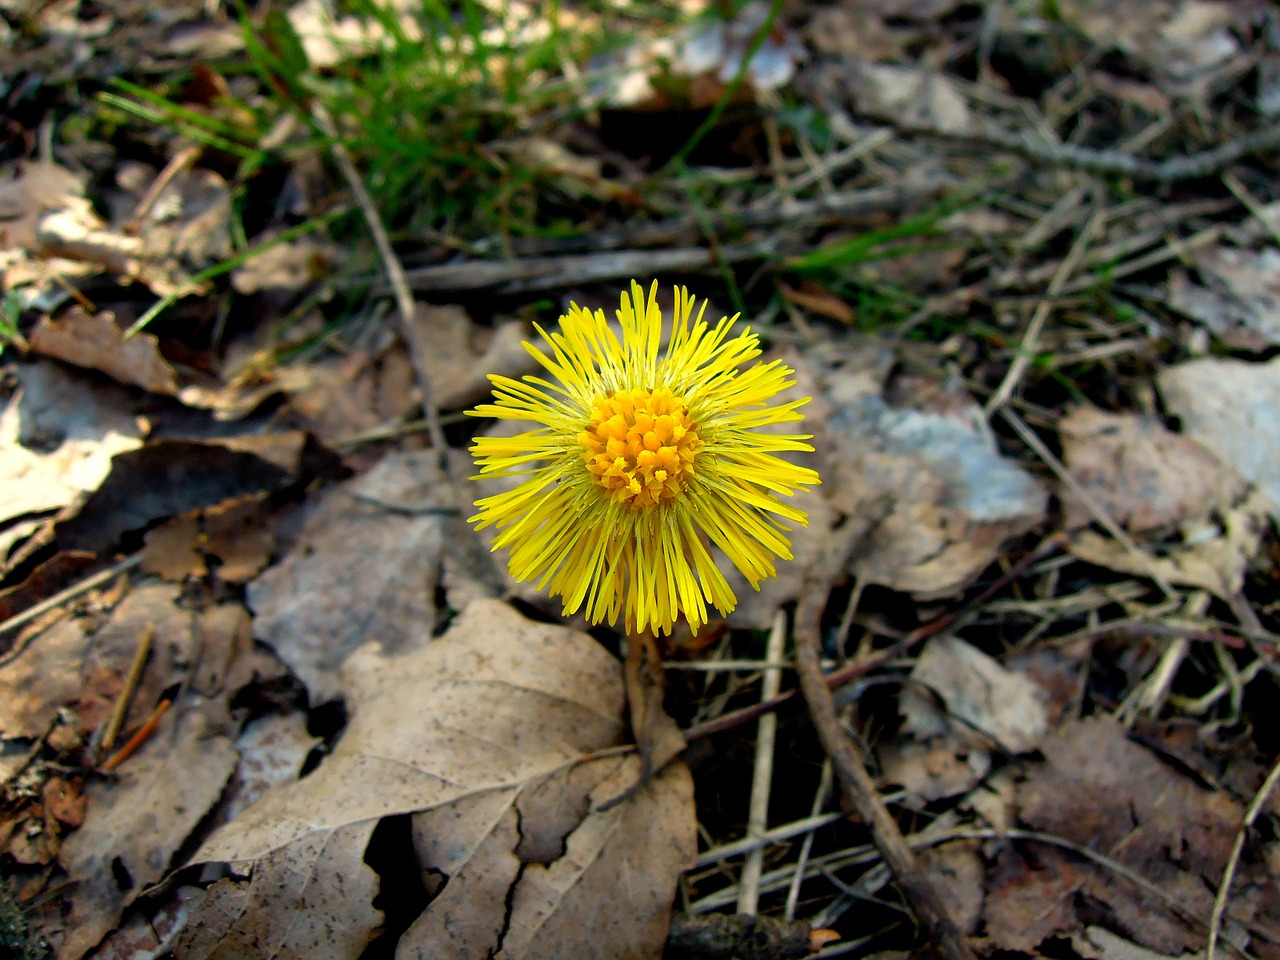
962, 707
57, 437
485, 737
96, 342
169, 477
35, 191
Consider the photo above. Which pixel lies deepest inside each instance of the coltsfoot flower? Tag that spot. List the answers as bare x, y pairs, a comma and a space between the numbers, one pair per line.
640, 457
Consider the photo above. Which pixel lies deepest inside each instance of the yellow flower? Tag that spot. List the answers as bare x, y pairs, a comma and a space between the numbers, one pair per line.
639, 458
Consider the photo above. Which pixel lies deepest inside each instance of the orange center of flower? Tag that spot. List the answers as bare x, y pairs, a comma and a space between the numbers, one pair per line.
640, 446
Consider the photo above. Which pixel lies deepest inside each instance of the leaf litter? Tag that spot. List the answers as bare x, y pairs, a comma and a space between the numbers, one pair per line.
1064, 651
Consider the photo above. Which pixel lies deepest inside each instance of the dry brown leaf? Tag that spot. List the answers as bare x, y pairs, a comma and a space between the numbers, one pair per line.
459, 367
188, 226
48, 578
1215, 554
168, 477
34, 190
149, 935
285, 268
365, 568
1030, 899
962, 707
272, 752
981, 700
97, 343
1238, 299
135, 825
1143, 475
52, 670
1232, 407
71, 664
236, 538
956, 871
944, 767
941, 498
481, 735
1100, 790
309, 898
57, 438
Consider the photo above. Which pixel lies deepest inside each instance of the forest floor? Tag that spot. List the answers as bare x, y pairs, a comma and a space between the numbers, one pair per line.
264, 692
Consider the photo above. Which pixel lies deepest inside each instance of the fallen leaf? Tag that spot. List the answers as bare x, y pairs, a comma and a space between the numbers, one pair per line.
272, 750
365, 569
1143, 475
169, 477
1214, 554
984, 702
1238, 298
460, 369
64, 800
942, 499
188, 225
1030, 898
73, 664
308, 898
1101, 791
34, 190
97, 343
1231, 407
57, 438
236, 538
285, 268
135, 825
955, 869
483, 736
946, 766
149, 935
48, 578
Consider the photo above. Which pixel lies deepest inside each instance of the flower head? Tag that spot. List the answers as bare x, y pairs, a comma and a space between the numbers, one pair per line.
639, 458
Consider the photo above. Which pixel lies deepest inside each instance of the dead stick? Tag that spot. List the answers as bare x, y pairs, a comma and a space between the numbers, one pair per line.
139, 738
128, 689
395, 277
846, 674
857, 783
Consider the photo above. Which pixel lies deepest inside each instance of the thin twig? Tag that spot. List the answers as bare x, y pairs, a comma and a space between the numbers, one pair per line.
762, 773
820, 798
395, 277
838, 678
1233, 861
139, 738
128, 689
1089, 500
858, 786
181, 161
727, 851
35, 611
1112, 162
1031, 339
